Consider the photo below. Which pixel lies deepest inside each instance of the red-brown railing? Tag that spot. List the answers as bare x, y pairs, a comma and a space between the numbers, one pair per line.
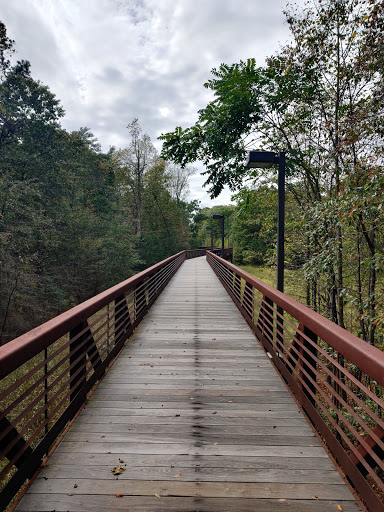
337, 378
228, 252
46, 374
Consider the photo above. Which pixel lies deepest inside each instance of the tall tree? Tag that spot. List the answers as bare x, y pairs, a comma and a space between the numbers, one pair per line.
132, 164
178, 180
320, 99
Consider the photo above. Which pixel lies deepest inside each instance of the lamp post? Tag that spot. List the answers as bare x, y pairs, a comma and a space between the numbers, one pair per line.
217, 216
265, 160
209, 230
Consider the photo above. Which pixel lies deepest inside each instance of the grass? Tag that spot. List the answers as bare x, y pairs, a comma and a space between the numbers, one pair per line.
294, 283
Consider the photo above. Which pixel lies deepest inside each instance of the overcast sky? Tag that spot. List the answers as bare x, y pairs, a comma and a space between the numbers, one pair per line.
109, 61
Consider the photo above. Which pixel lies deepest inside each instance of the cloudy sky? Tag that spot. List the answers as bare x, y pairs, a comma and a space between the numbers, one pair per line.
109, 61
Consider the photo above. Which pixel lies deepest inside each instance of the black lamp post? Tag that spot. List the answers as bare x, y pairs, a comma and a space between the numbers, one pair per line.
209, 229
217, 216
265, 160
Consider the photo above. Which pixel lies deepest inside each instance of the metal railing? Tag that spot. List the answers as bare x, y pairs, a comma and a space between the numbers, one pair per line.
46, 374
228, 252
336, 377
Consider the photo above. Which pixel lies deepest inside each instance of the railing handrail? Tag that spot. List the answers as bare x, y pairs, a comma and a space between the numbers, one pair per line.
16, 352
367, 357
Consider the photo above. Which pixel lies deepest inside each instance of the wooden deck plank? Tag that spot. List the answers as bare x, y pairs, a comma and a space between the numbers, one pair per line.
198, 416
189, 461
97, 503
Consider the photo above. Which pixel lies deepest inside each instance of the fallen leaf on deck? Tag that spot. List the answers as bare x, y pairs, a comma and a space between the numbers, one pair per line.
178, 475
172, 466
102, 437
119, 495
315, 498
214, 412
157, 495
75, 486
282, 499
339, 507
230, 400
91, 456
215, 443
144, 364
121, 461
69, 494
117, 470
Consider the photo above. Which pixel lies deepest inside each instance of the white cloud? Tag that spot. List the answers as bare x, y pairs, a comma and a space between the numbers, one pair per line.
109, 61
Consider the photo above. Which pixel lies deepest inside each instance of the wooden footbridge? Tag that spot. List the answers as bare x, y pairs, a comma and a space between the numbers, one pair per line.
196, 413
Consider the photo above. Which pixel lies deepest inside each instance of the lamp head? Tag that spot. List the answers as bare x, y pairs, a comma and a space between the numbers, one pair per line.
261, 159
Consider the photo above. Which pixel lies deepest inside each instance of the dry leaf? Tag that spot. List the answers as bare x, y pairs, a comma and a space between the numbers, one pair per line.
102, 437
282, 499
315, 498
117, 470
178, 475
215, 443
69, 494
339, 507
214, 412
230, 400
157, 495
75, 486
119, 495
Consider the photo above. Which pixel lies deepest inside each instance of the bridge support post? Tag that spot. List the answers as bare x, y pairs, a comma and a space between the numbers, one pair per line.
140, 301
123, 323
265, 321
82, 345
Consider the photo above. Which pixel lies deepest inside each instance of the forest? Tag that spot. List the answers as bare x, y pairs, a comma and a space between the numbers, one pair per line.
321, 100
75, 221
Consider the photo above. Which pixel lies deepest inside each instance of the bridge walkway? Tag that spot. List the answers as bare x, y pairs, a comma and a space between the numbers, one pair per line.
195, 418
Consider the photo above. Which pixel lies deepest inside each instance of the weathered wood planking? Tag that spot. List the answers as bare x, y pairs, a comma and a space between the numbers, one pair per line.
198, 418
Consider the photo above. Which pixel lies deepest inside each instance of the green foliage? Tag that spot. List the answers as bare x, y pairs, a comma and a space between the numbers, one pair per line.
73, 222
321, 99
218, 137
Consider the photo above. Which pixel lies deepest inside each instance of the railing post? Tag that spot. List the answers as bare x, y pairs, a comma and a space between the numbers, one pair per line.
265, 320
237, 287
140, 301
250, 300
77, 348
122, 319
